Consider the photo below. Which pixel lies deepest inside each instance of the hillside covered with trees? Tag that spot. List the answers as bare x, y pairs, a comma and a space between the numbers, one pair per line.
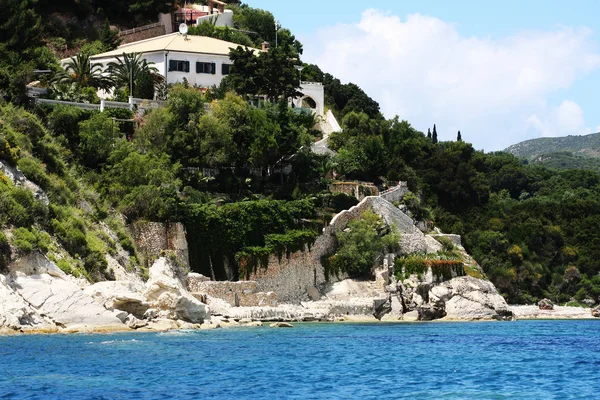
567, 152
535, 231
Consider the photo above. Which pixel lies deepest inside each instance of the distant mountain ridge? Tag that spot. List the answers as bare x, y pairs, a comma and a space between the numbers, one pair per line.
587, 146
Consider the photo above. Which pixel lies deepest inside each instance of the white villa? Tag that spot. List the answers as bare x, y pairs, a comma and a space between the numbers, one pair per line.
202, 60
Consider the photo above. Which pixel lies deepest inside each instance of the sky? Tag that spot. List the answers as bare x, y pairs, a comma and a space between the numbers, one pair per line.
500, 72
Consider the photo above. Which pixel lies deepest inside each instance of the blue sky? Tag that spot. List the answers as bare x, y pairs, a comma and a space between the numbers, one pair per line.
501, 72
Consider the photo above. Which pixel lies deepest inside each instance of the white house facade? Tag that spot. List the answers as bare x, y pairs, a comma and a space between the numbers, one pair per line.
201, 60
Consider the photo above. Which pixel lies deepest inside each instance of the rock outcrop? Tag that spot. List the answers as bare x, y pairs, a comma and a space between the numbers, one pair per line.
168, 297
37, 296
468, 298
120, 295
16, 314
546, 304
64, 303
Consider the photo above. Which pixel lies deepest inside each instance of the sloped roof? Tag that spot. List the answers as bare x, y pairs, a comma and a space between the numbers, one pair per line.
174, 42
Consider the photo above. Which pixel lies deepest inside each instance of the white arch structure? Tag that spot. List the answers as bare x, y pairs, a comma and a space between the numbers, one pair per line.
314, 91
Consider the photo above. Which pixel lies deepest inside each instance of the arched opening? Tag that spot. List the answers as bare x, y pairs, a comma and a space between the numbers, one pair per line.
308, 102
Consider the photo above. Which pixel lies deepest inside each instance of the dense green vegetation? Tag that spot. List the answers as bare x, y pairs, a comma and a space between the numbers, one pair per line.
359, 246
71, 213
524, 224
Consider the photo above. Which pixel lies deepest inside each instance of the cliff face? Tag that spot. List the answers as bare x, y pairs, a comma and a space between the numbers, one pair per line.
39, 290
301, 279
36, 295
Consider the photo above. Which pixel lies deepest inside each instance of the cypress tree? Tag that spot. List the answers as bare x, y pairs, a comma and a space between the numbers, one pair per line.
429, 133
434, 137
458, 137
109, 37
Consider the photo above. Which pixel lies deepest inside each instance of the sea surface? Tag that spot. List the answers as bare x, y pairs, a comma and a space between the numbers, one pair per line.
479, 360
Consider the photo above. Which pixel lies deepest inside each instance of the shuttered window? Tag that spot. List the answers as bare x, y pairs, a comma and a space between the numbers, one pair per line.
205, 68
225, 69
177, 65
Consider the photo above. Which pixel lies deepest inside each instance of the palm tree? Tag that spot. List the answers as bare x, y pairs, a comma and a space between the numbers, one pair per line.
80, 71
130, 70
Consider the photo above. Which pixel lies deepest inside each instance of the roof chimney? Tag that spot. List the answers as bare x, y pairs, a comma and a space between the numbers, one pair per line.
265, 46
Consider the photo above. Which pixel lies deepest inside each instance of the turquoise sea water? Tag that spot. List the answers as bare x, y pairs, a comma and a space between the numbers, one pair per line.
488, 360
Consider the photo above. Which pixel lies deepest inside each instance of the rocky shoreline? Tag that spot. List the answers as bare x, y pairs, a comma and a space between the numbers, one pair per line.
44, 300
522, 313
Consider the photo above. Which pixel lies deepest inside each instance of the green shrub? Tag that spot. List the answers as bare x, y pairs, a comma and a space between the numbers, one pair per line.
4, 251
24, 240
342, 201
28, 241
64, 121
8, 153
446, 243
126, 242
34, 171
442, 269
361, 243
95, 262
71, 236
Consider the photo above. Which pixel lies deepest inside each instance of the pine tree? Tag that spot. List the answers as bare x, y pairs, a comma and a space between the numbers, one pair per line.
429, 133
458, 137
434, 137
109, 37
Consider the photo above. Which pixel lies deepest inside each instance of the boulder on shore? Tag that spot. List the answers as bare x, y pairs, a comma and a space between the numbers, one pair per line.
281, 325
119, 295
167, 295
546, 304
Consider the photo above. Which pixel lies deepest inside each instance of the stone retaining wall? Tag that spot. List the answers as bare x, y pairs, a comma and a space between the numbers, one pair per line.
152, 238
395, 194
456, 239
360, 190
292, 277
142, 35
237, 294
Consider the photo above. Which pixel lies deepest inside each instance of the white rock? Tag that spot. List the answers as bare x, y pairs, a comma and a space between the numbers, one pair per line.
135, 323
64, 303
15, 313
471, 298
460, 308
166, 293
161, 325
432, 245
36, 264
411, 316
281, 325
313, 293
256, 324
119, 295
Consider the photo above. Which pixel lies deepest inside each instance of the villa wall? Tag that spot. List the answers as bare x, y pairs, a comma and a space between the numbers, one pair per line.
314, 90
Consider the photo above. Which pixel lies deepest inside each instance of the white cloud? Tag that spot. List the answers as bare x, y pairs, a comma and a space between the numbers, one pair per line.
566, 119
423, 70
